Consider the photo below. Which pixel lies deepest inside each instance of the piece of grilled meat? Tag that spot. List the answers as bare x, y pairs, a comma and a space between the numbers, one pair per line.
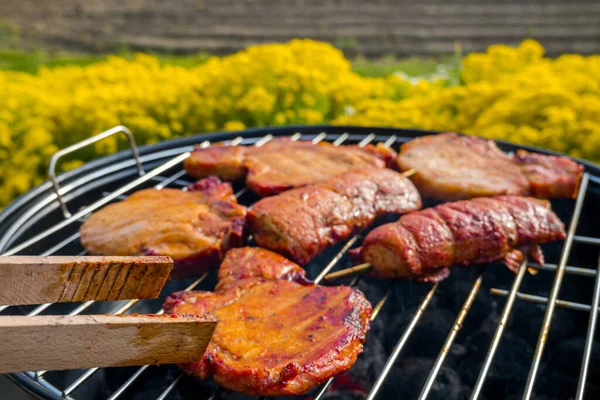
195, 227
249, 266
422, 245
283, 164
302, 222
453, 167
281, 335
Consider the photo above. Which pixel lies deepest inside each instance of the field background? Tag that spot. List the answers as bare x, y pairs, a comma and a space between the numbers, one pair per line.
371, 28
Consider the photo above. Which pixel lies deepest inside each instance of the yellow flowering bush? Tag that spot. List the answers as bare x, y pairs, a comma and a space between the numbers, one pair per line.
506, 93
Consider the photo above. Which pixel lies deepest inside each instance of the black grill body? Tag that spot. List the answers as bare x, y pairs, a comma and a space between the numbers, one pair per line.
427, 341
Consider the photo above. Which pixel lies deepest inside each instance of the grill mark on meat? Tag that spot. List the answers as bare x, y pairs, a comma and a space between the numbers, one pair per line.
430, 242
509, 227
457, 226
485, 233
319, 222
533, 219
441, 221
483, 230
415, 245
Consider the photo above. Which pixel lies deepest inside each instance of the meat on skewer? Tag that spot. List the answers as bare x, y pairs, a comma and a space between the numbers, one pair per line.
195, 227
302, 222
283, 164
278, 334
424, 244
453, 167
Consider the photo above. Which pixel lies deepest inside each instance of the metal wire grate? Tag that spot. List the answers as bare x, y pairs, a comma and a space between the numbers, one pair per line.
164, 175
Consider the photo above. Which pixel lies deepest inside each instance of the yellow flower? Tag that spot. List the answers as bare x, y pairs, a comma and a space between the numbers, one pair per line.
310, 116
234, 126
258, 99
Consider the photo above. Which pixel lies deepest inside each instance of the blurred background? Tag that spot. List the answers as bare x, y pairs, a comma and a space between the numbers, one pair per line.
367, 28
523, 71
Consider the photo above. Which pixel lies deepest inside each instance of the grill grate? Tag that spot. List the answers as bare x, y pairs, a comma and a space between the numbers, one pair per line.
170, 174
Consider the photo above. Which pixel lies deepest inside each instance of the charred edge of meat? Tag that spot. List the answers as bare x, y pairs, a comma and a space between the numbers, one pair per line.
550, 176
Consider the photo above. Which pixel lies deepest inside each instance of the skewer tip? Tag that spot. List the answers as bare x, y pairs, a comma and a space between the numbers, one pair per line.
408, 173
348, 272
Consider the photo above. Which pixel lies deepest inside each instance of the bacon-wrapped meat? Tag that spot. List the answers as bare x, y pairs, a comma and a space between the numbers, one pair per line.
453, 167
278, 334
424, 244
301, 223
283, 164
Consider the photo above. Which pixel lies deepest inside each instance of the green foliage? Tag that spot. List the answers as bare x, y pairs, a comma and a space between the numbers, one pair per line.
31, 61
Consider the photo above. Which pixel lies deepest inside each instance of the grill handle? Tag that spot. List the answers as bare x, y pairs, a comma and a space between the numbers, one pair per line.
82, 144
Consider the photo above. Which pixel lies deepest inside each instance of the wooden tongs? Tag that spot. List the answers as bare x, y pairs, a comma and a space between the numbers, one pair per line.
83, 341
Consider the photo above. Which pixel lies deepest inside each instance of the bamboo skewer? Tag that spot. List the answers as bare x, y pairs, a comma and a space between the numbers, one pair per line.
360, 269
349, 272
408, 173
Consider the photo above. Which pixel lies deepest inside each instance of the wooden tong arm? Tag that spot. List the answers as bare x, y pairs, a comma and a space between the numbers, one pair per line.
37, 279
85, 341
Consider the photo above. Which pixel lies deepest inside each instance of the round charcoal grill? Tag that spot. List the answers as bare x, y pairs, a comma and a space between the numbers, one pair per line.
482, 333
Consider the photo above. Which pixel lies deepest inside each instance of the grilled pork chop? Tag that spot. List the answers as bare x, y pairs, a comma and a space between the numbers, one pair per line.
283, 164
453, 167
195, 227
424, 244
279, 336
302, 222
